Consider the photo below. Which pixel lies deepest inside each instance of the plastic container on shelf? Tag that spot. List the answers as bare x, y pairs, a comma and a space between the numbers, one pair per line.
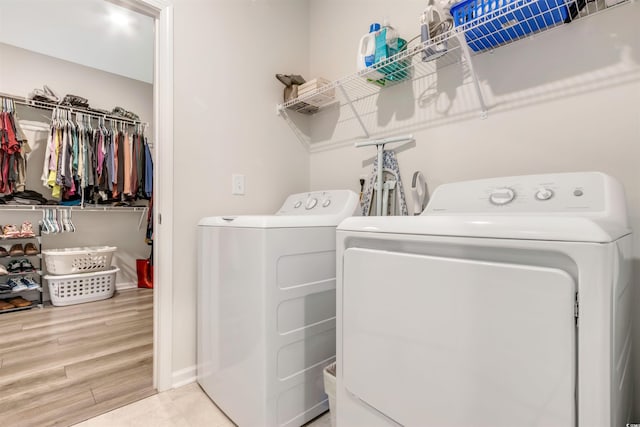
313, 93
72, 289
78, 260
367, 53
499, 21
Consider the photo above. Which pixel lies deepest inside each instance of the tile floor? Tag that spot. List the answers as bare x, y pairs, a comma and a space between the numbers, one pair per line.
186, 406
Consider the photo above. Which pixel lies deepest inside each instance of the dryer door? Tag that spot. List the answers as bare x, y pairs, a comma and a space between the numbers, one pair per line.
431, 341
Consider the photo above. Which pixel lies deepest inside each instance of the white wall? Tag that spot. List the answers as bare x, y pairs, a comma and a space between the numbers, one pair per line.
226, 55
20, 73
564, 100
95, 33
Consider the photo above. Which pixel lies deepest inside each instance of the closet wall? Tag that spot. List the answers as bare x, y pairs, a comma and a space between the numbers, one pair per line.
225, 122
21, 72
565, 100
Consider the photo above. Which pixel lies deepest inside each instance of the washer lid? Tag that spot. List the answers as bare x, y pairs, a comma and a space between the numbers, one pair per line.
271, 221
312, 209
521, 227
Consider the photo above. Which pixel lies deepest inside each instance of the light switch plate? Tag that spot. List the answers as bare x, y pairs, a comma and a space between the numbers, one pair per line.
237, 184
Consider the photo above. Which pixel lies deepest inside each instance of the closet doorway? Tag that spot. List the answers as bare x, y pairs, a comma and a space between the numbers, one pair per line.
161, 120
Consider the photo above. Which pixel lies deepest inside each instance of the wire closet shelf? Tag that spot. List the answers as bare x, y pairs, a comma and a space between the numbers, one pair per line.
71, 109
489, 24
83, 207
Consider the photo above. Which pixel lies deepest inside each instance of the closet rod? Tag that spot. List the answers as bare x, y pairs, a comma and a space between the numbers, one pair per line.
51, 106
16, 208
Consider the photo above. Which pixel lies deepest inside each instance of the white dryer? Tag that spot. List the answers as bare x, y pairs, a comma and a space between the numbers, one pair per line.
505, 304
266, 309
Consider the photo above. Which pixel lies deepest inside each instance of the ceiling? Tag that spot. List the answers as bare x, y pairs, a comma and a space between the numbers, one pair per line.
94, 33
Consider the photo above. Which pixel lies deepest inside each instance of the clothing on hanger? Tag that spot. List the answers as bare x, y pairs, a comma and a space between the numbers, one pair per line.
98, 164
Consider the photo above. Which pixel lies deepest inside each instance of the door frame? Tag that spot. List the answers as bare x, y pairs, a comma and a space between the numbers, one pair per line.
162, 12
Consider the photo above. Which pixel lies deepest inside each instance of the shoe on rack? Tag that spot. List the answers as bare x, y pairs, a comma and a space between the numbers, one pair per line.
29, 249
3, 270
26, 230
10, 231
16, 285
16, 250
5, 287
4, 305
29, 283
25, 265
14, 267
20, 302
3, 252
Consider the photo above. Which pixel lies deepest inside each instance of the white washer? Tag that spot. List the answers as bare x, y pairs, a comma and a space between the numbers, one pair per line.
505, 304
266, 309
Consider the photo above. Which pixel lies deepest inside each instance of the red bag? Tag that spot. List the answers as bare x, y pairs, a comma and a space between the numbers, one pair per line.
145, 273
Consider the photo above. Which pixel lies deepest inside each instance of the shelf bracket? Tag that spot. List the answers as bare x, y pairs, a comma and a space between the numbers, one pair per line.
474, 77
301, 136
355, 113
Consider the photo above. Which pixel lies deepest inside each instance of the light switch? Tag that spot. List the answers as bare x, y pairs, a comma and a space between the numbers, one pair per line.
237, 184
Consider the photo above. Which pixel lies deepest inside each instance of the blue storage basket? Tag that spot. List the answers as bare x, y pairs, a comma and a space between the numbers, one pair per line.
498, 22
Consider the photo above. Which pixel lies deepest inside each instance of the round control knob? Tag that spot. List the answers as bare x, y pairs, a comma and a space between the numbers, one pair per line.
502, 196
544, 194
326, 203
311, 203
298, 204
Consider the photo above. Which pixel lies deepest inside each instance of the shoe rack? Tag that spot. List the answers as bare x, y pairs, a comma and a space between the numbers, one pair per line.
16, 248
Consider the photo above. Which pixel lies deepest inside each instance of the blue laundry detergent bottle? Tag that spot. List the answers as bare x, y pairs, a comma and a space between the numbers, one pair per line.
367, 52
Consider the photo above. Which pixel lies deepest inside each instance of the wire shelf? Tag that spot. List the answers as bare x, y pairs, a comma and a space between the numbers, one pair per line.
39, 208
87, 112
489, 24
403, 67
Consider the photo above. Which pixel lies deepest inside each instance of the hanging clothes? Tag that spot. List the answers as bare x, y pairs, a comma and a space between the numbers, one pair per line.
12, 159
148, 174
99, 164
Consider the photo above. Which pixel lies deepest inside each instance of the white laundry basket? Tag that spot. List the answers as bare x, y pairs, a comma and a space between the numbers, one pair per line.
83, 287
330, 390
78, 260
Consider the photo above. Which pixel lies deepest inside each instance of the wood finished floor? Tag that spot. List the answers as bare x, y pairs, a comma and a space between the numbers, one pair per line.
63, 365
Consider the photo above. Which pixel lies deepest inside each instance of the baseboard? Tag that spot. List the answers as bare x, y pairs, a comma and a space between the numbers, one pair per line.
126, 285
183, 377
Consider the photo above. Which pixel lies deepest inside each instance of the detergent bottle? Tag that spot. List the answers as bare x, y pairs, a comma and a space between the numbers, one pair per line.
367, 52
388, 44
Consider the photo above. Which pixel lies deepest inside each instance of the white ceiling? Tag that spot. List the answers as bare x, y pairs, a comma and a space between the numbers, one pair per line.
95, 33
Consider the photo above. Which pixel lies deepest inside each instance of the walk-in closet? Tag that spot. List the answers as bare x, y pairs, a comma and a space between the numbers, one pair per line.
76, 209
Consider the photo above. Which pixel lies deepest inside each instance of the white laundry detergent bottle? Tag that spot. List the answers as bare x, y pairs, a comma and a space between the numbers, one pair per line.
367, 52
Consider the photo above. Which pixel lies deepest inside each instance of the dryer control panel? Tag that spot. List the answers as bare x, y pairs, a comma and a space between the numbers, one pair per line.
331, 202
583, 193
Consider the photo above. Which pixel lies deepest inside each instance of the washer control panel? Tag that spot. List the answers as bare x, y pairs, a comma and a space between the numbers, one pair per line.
319, 203
502, 196
559, 193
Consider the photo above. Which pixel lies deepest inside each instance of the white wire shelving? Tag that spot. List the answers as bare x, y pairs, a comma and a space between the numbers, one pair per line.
98, 114
487, 25
85, 208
